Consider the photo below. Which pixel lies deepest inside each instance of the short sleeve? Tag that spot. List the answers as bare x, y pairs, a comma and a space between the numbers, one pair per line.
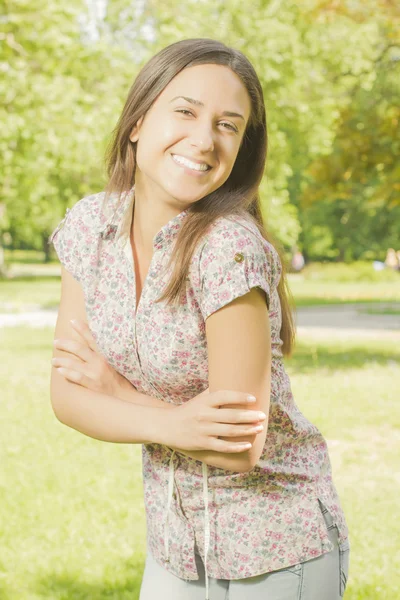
233, 261
67, 238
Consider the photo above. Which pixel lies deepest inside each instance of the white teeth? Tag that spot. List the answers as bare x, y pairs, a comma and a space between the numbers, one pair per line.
184, 161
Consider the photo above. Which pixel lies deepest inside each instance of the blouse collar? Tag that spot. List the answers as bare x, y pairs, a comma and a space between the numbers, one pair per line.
116, 223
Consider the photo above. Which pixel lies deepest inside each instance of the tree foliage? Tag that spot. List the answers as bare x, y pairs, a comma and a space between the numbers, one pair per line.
330, 74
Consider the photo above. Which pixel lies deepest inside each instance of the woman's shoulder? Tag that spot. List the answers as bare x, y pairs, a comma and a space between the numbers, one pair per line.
88, 215
89, 210
84, 213
236, 231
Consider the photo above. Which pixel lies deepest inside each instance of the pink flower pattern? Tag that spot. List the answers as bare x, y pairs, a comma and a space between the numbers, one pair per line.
266, 519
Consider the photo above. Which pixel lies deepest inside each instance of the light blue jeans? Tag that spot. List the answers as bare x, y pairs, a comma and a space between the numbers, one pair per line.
321, 578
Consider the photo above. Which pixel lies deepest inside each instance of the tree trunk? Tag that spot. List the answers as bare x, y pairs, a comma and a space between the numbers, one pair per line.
46, 248
2, 262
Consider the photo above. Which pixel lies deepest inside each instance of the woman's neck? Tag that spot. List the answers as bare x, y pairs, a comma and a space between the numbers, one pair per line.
150, 212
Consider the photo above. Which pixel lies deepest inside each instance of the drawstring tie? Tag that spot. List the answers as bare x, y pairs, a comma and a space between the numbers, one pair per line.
206, 516
170, 494
206, 525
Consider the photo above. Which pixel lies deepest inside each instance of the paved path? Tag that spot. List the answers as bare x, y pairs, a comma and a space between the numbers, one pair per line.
33, 318
349, 316
341, 320
347, 321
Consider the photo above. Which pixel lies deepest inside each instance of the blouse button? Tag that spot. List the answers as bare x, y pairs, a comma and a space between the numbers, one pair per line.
239, 257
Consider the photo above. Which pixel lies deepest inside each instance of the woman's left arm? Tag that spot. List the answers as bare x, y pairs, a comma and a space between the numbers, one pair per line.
239, 358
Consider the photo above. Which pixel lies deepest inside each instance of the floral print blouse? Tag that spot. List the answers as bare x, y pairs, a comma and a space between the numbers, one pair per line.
244, 524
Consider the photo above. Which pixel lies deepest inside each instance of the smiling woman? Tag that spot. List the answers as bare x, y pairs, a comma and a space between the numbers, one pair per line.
196, 133
183, 298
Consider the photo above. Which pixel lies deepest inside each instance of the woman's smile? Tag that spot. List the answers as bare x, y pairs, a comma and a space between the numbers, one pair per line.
191, 167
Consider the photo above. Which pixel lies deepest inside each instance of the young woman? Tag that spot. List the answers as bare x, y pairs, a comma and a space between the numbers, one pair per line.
181, 309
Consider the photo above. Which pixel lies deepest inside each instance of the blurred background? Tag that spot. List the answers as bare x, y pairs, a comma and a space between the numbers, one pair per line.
71, 516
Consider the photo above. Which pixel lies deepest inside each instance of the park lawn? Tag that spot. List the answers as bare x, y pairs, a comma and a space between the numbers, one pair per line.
42, 291
73, 516
309, 293
29, 293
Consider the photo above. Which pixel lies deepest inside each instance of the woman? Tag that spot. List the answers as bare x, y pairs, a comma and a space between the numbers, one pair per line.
180, 297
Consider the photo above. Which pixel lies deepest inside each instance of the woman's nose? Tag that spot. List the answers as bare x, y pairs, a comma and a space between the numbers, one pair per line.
203, 138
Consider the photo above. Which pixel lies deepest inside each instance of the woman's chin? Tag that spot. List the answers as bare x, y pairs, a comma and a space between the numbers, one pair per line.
190, 194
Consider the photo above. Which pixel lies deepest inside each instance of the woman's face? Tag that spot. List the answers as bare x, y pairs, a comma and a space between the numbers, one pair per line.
189, 139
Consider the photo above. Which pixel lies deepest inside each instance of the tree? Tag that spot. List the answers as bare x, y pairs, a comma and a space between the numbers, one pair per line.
62, 94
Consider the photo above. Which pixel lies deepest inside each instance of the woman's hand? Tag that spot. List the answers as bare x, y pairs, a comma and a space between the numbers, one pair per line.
198, 423
86, 366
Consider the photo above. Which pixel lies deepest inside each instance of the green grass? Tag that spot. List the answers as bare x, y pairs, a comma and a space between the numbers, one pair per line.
22, 292
44, 289
310, 293
356, 271
23, 256
349, 390
73, 521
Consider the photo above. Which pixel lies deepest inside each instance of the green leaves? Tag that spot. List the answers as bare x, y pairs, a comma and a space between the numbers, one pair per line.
330, 74
60, 101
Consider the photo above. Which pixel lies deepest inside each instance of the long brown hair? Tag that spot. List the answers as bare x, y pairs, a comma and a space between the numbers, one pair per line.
239, 192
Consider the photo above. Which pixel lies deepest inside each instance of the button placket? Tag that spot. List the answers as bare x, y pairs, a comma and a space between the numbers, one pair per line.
136, 315
127, 253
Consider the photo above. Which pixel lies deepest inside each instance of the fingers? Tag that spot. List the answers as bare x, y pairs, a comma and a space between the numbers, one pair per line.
70, 364
83, 329
232, 415
222, 397
229, 447
237, 430
74, 376
75, 348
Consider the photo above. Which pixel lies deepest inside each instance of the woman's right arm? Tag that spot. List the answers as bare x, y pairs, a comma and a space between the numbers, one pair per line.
94, 414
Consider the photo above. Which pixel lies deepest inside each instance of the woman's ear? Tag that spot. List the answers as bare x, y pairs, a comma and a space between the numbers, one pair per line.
134, 136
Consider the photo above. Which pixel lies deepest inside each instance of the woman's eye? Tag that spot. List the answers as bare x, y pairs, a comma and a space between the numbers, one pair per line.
231, 127
228, 125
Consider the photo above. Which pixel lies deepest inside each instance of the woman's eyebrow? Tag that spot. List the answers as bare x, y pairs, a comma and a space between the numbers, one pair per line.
226, 113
